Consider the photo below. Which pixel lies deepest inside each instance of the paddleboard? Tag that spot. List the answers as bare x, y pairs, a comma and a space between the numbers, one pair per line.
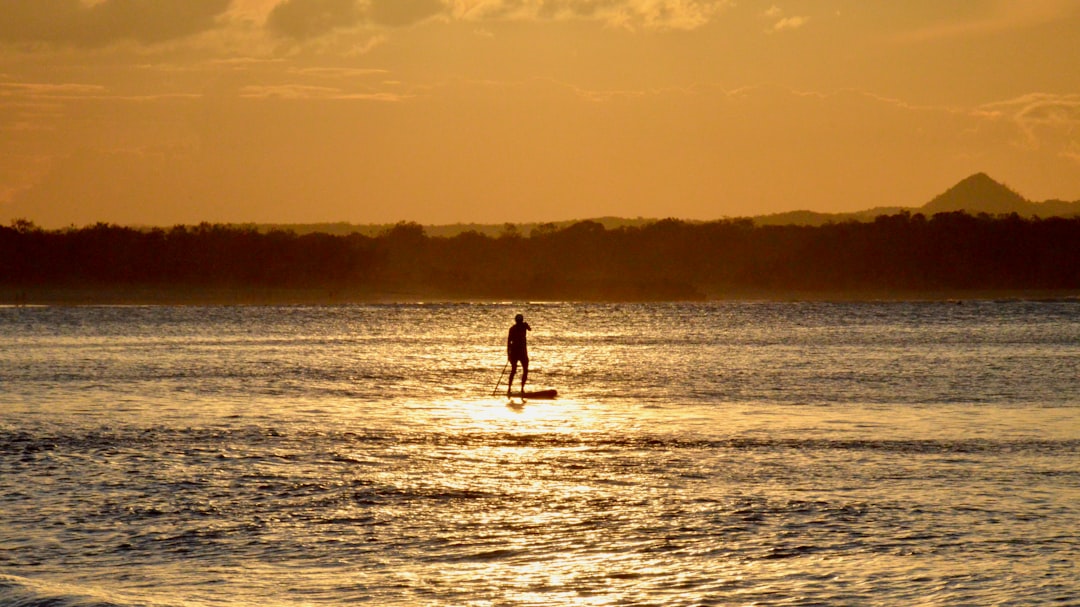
538, 394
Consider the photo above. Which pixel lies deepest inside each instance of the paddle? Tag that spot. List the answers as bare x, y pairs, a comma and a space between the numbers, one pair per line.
496, 390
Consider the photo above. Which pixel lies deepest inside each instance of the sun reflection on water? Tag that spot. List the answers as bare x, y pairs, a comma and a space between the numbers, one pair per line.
496, 415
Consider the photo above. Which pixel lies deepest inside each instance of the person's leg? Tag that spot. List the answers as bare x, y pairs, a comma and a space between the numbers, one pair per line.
524, 373
513, 371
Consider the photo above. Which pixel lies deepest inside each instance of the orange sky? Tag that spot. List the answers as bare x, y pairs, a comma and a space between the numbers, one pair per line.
442, 111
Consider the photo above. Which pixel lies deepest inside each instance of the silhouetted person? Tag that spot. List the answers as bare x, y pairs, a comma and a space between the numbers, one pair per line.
517, 352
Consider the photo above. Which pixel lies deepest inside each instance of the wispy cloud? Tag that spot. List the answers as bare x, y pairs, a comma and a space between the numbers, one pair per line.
781, 22
1042, 119
104, 22
288, 91
630, 14
61, 92
40, 90
1072, 151
790, 23
773, 12
309, 92
304, 19
339, 72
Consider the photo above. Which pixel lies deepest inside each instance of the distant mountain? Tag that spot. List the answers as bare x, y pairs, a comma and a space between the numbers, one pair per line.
1057, 208
981, 194
813, 218
442, 230
978, 194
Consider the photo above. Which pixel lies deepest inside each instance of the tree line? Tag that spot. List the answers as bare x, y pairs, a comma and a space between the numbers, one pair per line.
668, 259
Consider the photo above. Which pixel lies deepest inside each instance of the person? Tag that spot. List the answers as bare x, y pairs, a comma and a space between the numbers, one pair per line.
517, 351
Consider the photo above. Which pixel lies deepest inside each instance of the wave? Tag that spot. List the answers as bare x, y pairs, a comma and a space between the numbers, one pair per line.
18, 591
263, 441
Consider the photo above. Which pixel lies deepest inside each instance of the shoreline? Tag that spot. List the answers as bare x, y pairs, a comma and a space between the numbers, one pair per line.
246, 296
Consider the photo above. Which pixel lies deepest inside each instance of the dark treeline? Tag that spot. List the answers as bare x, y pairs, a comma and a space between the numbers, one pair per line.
669, 259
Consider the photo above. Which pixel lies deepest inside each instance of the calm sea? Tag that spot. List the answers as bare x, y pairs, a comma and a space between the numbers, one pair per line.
698, 454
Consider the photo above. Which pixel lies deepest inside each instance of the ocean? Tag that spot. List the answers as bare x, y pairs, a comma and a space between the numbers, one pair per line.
734, 453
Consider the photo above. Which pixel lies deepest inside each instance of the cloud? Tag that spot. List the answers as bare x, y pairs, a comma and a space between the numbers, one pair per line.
397, 13
302, 19
339, 72
630, 14
1044, 120
781, 22
790, 23
308, 19
31, 92
309, 92
1039, 109
73, 22
305, 19
676, 14
52, 90
1072, 152
289, 91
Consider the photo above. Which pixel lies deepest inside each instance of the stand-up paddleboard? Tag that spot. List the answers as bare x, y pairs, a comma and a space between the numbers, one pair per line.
537, 394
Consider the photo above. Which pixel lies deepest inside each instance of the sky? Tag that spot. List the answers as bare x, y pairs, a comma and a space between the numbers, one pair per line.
162, 112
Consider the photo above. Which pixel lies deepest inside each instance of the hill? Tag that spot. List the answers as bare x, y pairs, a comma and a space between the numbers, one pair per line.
443, 230
976, 194
979, 194
813, 218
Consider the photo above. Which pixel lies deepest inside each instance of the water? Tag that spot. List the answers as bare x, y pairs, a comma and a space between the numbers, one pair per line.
699, 454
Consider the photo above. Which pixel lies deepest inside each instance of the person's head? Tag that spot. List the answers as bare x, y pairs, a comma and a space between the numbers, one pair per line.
519, 319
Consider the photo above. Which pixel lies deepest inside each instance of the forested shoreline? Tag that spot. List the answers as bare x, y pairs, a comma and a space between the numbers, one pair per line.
904, 254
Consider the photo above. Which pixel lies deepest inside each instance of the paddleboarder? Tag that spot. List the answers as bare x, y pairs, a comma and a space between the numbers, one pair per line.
517, 351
